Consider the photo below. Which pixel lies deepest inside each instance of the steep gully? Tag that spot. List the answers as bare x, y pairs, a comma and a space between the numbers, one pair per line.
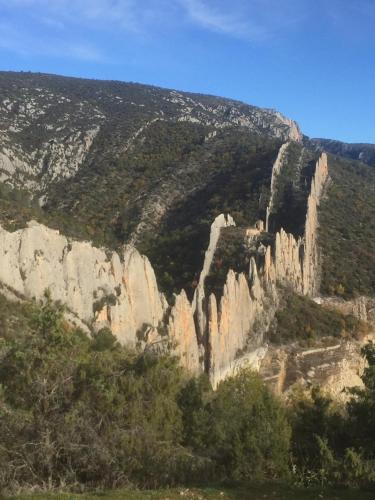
102, 288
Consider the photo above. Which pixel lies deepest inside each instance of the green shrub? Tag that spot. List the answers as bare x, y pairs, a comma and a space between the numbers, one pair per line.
334, 445
301, 320
241, 427
76, 411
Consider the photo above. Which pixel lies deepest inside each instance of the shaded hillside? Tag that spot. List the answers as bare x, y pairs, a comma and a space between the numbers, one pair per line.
117, 162
292, 189
240, 187
300, 320
362, 152
347, 228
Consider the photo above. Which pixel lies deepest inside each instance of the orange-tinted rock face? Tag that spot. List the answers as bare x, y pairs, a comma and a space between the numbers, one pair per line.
182, 335
199, 295
231, 325
332, 368
248, 304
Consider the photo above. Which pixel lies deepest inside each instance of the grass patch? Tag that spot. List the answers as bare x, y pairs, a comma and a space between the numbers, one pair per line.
270, 491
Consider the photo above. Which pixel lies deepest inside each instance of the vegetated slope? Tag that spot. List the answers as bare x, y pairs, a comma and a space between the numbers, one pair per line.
116, 162
291, 188
347, 228
242, 166
15, 318
362, 152
301, 320
51, 126
163, 196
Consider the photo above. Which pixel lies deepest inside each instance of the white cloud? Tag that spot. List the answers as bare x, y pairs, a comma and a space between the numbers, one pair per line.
75, 27
129, 14
15, 40
254, 20
239, 18
215, 18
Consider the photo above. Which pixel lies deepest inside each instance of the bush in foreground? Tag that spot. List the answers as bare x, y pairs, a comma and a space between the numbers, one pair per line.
81, 413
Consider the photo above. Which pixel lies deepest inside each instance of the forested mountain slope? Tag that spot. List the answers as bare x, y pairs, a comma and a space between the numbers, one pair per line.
362, 152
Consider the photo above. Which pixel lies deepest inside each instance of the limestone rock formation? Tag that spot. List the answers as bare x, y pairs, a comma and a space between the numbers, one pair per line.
214, 334
199, 295
247, 306
97, 286
275, 172
231, 332
333, 368
182, 335
296, 261
311, 251
51, 126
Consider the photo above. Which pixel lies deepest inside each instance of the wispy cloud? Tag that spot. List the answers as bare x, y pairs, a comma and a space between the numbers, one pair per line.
254, 20
218, 19
239, 18
75, 28
20, 42
131, 15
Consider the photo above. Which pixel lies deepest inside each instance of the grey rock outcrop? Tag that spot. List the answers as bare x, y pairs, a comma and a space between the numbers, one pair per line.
99, 287
59, 130
276, 169
49, 125
216, 334
333, 368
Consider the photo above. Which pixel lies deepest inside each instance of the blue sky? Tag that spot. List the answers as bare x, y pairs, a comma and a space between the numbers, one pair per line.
314, 60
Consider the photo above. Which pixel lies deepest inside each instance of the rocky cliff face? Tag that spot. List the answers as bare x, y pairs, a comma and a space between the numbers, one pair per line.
236, 325
218, 335
276, 169
296, 261
98, 286
183, 335
200, 294
333, 368
104, 288
63, 129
